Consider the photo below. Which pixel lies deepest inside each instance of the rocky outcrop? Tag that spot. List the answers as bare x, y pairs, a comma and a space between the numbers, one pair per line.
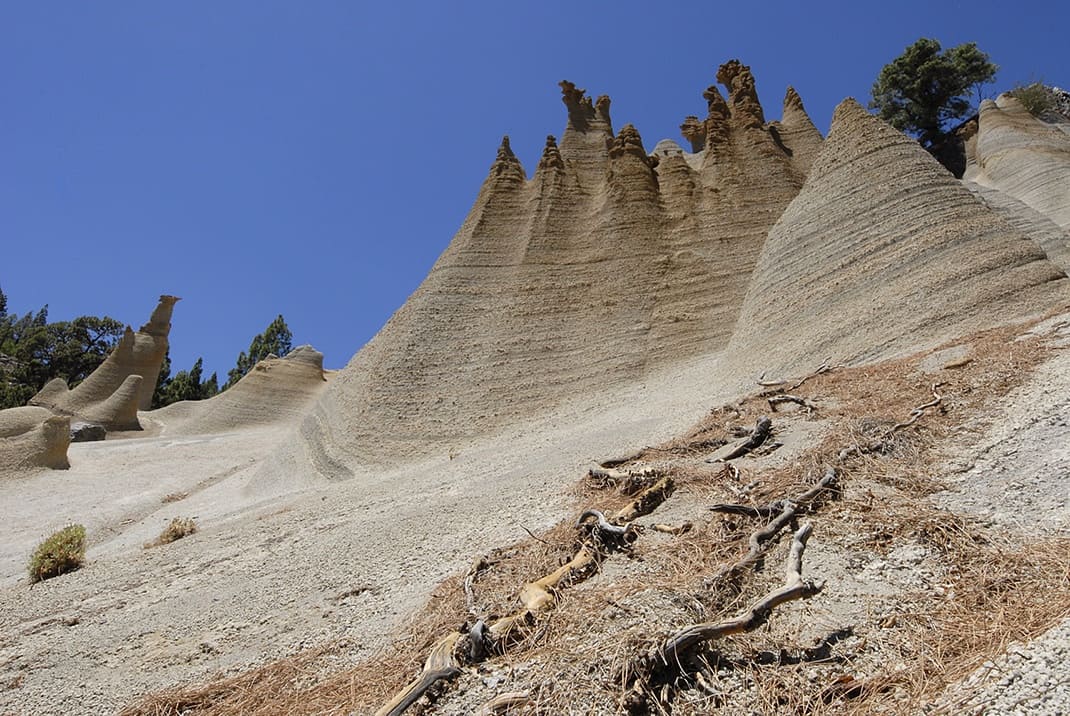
607, 264
276, 390
796, 132
113, 393
883, 251
1022, 157
32, 438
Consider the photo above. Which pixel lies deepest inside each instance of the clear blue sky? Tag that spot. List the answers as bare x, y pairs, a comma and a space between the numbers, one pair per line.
314, 158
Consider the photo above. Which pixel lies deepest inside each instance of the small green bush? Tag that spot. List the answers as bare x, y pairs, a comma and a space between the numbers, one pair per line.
63, 552
1035, 97
178, 528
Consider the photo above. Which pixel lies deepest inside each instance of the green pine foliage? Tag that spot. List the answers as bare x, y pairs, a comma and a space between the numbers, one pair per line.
926, 88
33, 351
276, 340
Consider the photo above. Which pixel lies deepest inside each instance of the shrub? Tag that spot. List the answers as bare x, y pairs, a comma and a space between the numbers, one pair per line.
178, 528
63, 552
1035, 97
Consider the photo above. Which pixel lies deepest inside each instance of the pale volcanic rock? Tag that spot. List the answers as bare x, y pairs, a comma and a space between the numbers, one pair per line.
607, 264
883, 251
1046, 233
796, 131
276, 390
110, 395
1023, 157
32, 437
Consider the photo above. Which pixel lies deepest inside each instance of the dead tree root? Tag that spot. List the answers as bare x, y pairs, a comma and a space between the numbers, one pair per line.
651, 677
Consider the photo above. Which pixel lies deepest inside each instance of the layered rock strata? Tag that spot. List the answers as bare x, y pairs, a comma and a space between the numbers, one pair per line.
1023, 157
883, 251
123, 384
275, 390
605, 264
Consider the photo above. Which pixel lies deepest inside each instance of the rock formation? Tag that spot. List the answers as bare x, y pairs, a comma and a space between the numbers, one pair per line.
606, 264
275, 390
113, 393
1023, 157
32, 437
883, 251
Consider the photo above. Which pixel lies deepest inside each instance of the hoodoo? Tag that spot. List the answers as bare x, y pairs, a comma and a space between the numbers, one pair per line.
123, 383
1022, 156
605, 265
883, 251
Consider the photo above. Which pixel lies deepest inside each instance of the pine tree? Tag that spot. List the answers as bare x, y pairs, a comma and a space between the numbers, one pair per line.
923, 89
276, 340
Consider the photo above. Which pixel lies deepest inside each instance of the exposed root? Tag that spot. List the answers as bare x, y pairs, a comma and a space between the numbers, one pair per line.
825, 367
536, 598
660, 668
762, 429
920, 410
440, 665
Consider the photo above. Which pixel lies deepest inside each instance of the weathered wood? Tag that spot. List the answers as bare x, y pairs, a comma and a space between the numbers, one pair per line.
503, 703
762, 429
686, 640
775, 400
759, 539
440, 665
919, 411
646, 501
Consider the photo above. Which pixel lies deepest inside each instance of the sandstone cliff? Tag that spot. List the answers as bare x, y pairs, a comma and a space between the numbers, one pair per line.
605, 264
1018, 154
881, 252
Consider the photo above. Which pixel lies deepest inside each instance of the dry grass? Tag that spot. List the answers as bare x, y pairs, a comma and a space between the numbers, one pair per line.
574, 661
176, 529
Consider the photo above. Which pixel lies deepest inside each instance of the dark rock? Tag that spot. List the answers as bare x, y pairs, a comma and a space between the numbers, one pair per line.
87, 432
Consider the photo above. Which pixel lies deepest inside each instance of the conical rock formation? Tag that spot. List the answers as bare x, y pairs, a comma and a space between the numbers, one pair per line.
1023, 157
108, 395
883, 251
606, 264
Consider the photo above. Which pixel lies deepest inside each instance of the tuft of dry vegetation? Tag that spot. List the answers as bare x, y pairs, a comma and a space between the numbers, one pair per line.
62, 552
173, 497
176, 529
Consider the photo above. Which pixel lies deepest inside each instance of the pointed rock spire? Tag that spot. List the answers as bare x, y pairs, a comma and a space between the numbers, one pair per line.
796, 133
583, 113
630, 167
717, 116
628, 142
506, 163
742, 95
159, 325
551, 155
794, 111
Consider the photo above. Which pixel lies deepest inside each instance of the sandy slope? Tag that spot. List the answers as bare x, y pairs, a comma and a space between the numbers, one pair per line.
271, 571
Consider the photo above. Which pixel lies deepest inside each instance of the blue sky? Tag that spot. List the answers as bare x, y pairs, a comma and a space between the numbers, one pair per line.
314, 158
